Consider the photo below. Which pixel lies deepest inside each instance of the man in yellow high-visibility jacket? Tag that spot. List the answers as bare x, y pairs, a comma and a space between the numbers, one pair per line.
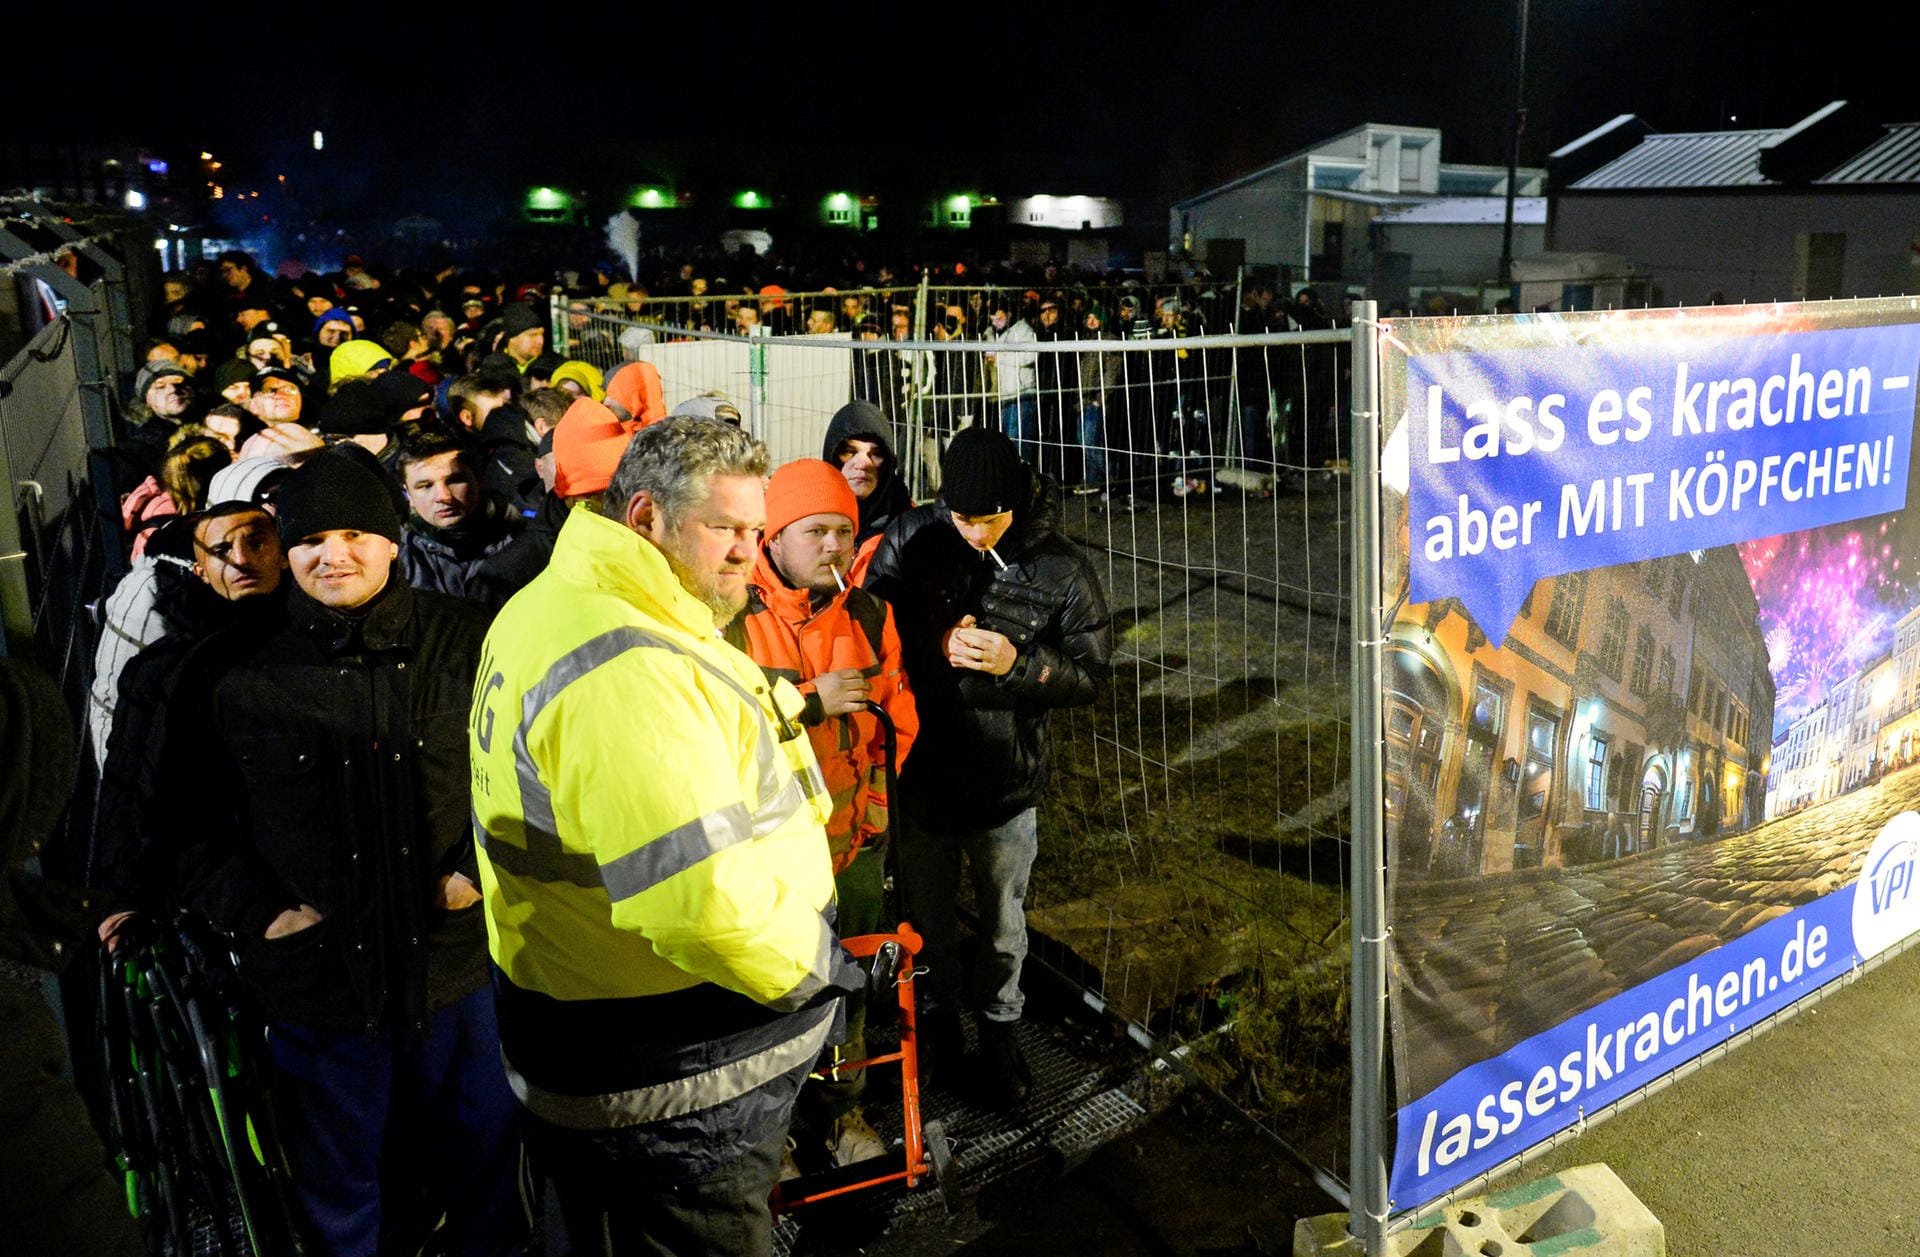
658, 894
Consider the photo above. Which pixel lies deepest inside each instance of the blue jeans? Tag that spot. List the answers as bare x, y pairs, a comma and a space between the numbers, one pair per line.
1020, 423
368, 1122
1093, 445
998, 860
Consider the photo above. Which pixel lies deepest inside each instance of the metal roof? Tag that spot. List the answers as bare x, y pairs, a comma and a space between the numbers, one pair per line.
1893, 158
1527, 210
1689, 159
1731, 159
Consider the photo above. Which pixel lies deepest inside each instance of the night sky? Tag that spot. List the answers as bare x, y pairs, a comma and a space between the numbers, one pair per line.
1163, 103
1180, 97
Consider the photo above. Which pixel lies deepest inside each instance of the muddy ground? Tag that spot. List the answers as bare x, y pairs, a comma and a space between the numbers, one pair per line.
1192, 867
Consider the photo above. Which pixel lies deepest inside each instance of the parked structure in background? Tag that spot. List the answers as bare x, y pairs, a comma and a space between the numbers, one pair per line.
1313, 213
1824, 208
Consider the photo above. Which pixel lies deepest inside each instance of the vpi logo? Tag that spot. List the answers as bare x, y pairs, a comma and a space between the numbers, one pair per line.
1885, 907
1891, 880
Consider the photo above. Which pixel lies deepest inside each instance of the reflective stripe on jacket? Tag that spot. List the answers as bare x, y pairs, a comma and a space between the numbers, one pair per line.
788, 637
657, 894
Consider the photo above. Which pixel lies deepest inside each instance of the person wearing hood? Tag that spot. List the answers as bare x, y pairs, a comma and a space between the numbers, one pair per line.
336, 850
836, 642
582, 379
1003, 620
454, 525
333, 328
504, 449
60, 1198
575, 460
859, 442
634, 393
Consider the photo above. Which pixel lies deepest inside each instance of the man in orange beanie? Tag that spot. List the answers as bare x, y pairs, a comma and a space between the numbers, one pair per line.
806, 621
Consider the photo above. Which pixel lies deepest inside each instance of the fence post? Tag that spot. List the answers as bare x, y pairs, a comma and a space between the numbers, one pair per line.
1368, 1207
917, 424
1236, 443
557, 320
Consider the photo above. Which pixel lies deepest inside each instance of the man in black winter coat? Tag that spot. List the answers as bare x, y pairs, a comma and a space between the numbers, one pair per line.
454, 525
318, 814
217, 572
1002, 619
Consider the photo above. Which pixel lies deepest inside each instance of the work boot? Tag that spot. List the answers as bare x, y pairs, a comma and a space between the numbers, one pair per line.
853, 1139
1004, 1069
938, 1042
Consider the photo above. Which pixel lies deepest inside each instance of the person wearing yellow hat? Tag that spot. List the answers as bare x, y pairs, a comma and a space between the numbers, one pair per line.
357, 358
582, 379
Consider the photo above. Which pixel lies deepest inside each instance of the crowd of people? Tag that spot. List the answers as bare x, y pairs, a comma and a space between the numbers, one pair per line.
1093, 417
534, 744
1090, 416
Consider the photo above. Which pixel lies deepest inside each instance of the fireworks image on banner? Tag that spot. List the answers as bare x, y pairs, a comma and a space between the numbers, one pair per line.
1829, 600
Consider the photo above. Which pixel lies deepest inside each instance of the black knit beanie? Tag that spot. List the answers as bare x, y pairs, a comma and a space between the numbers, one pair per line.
520, 317
357, 408
399, 392
981, 474
331, 491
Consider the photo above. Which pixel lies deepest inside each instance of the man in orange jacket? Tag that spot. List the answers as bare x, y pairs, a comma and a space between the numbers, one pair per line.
836, 642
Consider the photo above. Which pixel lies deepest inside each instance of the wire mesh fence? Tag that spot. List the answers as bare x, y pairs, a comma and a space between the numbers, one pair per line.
1193, 857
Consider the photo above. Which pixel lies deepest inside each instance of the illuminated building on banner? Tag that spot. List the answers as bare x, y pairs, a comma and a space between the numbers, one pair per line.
1630, 707
1868, 726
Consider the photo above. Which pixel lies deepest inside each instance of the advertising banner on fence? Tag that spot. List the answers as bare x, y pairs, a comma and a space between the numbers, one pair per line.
1652, 687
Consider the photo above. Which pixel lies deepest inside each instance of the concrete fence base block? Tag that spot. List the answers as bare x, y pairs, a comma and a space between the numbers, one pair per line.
1582, 1212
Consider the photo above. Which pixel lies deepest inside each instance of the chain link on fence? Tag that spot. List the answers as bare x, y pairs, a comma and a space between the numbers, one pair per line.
1193, 865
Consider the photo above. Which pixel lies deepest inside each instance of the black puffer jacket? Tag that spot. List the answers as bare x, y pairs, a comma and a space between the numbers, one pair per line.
122, 862
984, 749
337, 753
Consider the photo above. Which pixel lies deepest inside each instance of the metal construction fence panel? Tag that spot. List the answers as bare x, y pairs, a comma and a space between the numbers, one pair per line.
1193, 855
1093, 410
927, 311
1636, 714
56, 411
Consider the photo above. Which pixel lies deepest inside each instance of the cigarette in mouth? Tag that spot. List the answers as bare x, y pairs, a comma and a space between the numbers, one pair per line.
837, 579
995, 556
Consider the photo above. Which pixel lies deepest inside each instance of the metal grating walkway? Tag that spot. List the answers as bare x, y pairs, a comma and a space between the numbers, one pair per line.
1078, 1103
